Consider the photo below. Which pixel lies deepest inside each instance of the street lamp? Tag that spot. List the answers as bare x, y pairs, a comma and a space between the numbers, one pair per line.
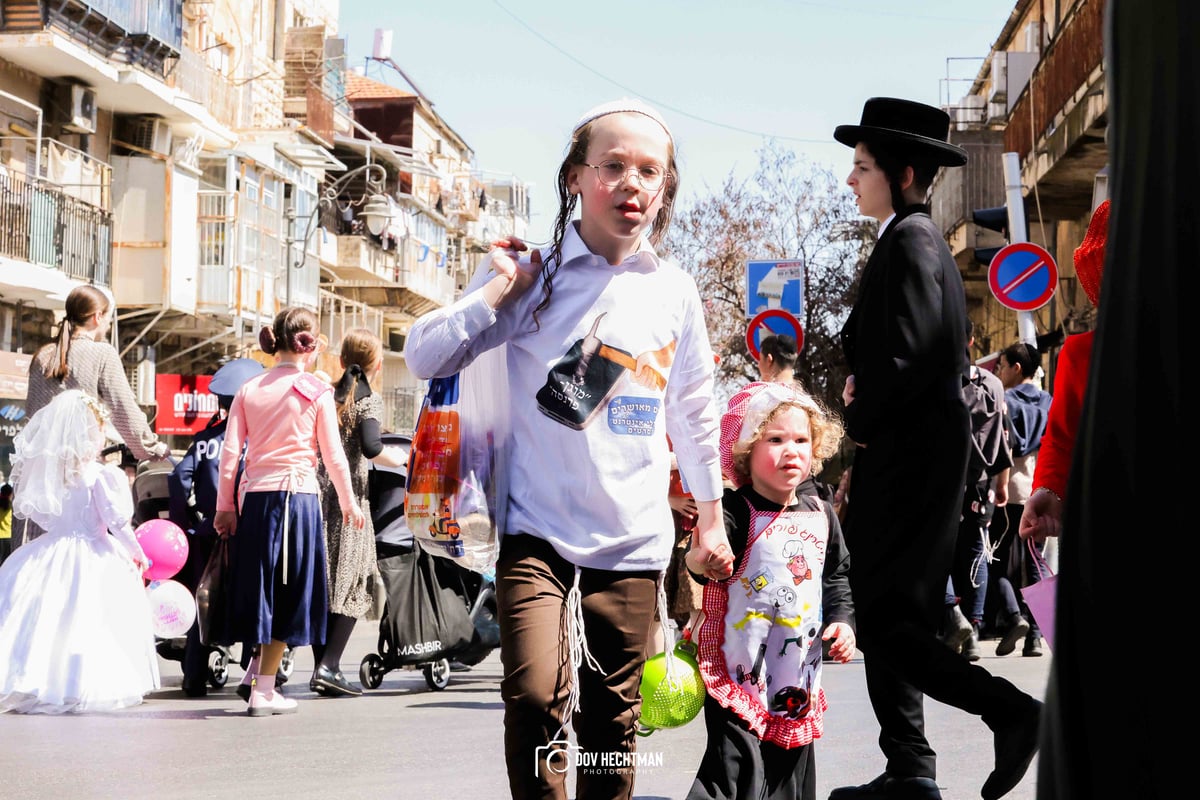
376, 213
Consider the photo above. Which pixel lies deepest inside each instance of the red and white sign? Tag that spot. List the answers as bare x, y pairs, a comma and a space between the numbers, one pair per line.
184, 403
1023, 276
773, 321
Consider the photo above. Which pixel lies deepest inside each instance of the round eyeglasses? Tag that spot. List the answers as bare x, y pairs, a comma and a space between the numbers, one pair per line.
651, 177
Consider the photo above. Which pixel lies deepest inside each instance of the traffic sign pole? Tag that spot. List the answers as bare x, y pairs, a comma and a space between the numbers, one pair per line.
1026, 325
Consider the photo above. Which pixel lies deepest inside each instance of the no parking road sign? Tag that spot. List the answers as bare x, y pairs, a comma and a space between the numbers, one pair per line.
1023, 276
772, 321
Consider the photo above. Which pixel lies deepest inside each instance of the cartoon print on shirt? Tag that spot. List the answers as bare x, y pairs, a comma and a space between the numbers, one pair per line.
797, 564
586, 379
795, 701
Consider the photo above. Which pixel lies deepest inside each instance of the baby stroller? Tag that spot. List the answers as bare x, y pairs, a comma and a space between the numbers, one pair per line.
151, 500
435, 610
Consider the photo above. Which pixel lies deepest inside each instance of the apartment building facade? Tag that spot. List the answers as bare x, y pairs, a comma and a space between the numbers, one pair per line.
197, 160
1040, 94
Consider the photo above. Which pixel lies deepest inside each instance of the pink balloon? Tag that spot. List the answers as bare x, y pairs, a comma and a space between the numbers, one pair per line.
165, 544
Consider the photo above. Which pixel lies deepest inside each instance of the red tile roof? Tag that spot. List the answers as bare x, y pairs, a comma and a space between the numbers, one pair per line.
360, 88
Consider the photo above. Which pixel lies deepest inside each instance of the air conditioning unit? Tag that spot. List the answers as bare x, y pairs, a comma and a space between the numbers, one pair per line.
82, 112
151, 133
142, 376
999, 88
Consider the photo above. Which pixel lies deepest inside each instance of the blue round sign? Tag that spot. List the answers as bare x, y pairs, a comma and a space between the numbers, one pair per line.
1023, 276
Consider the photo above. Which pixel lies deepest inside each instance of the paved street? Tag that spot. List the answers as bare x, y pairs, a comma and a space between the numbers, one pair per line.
404, 740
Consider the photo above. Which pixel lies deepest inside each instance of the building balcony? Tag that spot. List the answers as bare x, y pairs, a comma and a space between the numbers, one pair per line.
958, 192
145, 33
49, 227
339, 314
1057, 124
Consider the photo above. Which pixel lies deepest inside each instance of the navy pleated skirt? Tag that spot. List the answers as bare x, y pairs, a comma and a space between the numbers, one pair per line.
273, 600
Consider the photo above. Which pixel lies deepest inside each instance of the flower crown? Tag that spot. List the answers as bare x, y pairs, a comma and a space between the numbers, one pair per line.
97, 408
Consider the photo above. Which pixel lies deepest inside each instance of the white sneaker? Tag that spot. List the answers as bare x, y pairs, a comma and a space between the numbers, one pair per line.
267, 705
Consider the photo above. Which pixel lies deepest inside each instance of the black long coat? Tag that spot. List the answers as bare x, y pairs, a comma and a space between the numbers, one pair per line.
905, 342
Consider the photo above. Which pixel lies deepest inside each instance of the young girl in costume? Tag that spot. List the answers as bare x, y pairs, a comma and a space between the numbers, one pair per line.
75, 624
284, 419
760, 643
607, 354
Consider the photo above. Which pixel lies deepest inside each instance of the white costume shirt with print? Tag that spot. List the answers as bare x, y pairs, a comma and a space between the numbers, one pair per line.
620, 361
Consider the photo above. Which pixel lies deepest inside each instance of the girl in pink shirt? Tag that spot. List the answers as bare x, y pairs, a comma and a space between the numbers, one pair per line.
283, 419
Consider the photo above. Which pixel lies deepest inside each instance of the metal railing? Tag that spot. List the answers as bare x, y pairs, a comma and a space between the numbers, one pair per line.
339, 314
47, 227
76, 173
1077, 49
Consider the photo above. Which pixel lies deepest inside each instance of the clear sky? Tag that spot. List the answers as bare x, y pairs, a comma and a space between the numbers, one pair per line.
513, 76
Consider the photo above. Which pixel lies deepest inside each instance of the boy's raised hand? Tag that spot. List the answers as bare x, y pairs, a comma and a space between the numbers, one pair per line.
511, 280
842, 649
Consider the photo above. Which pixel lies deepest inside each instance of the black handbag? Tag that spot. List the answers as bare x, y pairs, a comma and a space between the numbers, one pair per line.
213, 594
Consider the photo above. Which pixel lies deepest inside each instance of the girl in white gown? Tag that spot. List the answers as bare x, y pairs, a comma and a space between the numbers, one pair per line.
75, 624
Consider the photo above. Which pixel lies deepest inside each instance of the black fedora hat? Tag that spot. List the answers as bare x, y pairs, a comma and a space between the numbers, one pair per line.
910, 127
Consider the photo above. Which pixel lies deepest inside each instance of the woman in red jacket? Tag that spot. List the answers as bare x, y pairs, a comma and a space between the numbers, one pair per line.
1042, 516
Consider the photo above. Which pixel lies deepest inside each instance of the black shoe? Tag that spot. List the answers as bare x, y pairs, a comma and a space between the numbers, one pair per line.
1033, 645
885, 787
1018, 627
1015, 744
332, 684
458, 666
194, 688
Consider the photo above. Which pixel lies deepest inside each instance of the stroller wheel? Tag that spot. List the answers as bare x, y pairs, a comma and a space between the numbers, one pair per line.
218, 669
437, 674
370, 672
288, 663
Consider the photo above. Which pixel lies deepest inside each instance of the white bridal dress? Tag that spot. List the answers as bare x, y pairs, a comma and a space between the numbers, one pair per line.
75, 627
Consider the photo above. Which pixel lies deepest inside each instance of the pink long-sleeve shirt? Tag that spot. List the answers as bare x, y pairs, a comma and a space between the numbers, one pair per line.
284, 418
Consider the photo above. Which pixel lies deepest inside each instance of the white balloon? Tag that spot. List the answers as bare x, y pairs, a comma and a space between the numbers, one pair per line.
172, 608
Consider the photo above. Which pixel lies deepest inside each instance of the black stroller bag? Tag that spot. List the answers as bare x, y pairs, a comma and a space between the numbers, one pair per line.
426, 617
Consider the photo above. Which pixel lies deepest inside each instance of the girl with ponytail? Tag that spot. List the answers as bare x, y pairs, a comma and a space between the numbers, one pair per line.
285, 421
351, 551
79, 358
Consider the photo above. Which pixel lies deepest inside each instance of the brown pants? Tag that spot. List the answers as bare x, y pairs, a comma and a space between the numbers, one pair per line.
532, 582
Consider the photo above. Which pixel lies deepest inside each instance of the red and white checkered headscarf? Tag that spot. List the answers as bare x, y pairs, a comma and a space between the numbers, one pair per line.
746, 412
1089, 256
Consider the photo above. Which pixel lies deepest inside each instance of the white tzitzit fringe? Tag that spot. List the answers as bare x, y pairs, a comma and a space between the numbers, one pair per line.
577, 650
674, 678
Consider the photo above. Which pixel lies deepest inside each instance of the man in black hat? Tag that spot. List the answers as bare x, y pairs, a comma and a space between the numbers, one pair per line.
905, 344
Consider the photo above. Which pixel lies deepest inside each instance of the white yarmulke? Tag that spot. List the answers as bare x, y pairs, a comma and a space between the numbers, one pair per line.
622, 106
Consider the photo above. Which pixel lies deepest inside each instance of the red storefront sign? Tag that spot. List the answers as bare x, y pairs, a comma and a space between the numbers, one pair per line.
184, 403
